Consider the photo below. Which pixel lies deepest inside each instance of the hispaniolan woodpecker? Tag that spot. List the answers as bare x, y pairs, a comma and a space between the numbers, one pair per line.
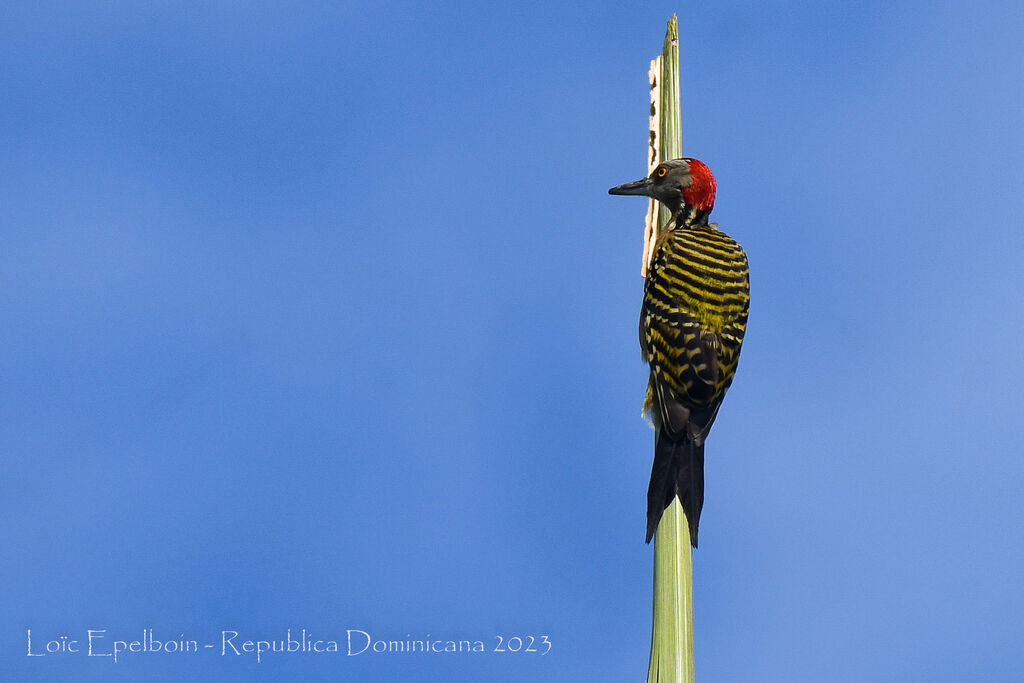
692, 322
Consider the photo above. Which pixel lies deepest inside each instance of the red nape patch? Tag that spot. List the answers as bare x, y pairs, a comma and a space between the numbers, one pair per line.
701, 192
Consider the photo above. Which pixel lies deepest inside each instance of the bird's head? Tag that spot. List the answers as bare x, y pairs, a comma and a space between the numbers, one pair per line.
682, 185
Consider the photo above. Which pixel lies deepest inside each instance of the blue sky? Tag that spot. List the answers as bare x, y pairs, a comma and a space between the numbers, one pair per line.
317, 315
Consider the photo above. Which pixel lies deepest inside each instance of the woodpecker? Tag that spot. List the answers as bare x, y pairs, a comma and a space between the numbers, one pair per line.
694, 315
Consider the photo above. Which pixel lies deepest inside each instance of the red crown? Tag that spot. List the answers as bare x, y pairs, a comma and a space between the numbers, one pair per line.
701, 192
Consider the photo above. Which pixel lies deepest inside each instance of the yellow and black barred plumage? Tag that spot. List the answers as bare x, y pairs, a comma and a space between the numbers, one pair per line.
692, 323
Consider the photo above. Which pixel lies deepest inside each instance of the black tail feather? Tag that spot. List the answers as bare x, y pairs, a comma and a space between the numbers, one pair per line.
678, 471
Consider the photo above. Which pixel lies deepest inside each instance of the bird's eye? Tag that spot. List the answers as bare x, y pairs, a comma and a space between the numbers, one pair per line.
661, 172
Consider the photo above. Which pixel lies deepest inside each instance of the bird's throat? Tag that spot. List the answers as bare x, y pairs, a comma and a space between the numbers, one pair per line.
688, 216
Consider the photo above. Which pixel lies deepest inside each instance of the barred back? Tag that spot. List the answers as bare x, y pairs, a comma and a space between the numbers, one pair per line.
692, 323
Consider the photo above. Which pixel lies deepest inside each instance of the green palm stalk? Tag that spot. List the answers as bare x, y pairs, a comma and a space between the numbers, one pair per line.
672, 630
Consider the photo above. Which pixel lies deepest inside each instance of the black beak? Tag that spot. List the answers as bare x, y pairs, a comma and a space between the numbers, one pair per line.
642, 186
